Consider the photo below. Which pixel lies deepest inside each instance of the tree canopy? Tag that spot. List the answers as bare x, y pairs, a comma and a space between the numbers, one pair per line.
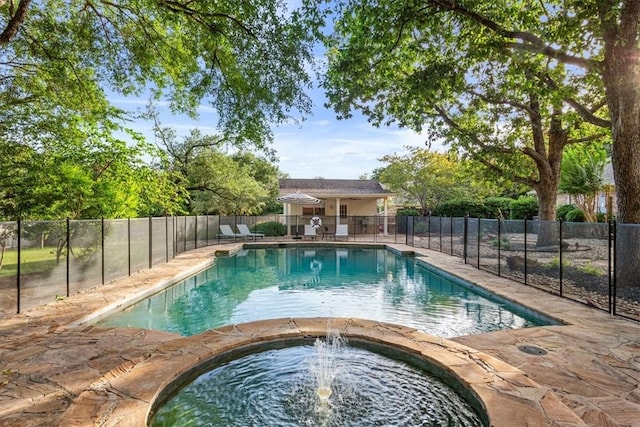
425, 179
569, 68
583, 177
427, 68
246, 58
66, 149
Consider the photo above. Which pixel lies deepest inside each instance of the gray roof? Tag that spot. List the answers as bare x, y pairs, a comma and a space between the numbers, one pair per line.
319, 187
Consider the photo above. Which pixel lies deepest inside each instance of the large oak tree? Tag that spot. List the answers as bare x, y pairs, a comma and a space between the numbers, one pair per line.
424, 67
246, 58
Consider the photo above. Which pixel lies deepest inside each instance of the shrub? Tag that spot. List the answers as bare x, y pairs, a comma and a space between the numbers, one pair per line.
561, 213
459, 208
408, 212
493, 206
592, 270
270, 228
601, 217
555, 263
575, 215
525, 207
504, 243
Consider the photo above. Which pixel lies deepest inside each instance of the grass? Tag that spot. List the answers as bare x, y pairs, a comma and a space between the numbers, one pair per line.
592, 270
33, 260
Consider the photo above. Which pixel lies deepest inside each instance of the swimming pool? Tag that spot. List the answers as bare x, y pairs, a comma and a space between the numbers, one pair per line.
257, 284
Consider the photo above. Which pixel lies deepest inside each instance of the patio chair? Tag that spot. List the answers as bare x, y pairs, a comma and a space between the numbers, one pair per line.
227, 233
310, 231
342, 230
245, 232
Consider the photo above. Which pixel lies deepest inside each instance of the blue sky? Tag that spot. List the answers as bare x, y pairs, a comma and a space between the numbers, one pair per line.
321, 146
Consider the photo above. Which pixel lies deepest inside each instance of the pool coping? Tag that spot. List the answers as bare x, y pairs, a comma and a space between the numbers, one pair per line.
98, 384
503, 392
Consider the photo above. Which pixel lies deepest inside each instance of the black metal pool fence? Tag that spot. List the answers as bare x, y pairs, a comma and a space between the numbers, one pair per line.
594, 263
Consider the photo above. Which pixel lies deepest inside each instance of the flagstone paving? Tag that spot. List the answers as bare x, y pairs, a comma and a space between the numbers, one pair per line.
57, 369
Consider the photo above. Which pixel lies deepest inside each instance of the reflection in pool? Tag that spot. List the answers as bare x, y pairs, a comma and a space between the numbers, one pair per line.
376, 284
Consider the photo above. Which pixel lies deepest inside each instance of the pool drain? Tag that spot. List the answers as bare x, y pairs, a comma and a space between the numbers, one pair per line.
532, 349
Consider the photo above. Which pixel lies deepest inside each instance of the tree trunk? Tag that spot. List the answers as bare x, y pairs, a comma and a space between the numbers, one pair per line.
549, 162
620, 77
547, 199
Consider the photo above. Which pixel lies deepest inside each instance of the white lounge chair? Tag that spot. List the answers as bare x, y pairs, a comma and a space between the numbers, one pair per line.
342, 230
310, 231
227, 233
245, 232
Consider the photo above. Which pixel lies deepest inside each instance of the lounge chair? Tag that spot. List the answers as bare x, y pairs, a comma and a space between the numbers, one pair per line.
310, 231
245, 232
342, 230
227, 232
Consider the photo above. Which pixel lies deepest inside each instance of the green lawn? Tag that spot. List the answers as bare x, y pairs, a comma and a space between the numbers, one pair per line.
33, 260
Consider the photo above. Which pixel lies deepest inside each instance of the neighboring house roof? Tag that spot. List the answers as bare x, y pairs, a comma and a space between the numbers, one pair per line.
326, 188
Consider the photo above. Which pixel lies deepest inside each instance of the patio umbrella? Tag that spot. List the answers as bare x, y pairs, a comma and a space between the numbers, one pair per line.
298, 198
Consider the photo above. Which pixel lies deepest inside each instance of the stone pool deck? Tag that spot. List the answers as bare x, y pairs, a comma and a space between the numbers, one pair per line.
56, 369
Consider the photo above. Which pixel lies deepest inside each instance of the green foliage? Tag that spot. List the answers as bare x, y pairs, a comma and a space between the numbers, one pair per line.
583, 170
488, 79
495, 207
583, 176
592, 270
503, 242
555, 263
561, 213
425, 178
601, 217
270, 228
247, 59
408, 212
97, 177
576, 215
525, 207
217, 183
460, 208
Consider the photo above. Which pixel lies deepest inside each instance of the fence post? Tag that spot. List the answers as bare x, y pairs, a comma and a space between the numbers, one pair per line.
613, 242
478, 243
166, 238
525, 251
440, 228
18, 266
465, 231
129, 244
195, 244
560, 256
429, 231
150, 242
206, 233
499, 244
184, 248
67, 261
102, 246
451, 235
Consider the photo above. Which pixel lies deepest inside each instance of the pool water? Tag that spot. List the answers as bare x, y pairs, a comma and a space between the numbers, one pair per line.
279, 388
258, 284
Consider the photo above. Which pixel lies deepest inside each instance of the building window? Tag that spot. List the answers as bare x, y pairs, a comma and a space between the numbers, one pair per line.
343, 211
312, 211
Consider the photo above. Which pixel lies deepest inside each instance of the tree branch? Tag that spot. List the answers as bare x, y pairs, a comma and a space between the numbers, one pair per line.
588, 138
15, 22
501, 101
529, 41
